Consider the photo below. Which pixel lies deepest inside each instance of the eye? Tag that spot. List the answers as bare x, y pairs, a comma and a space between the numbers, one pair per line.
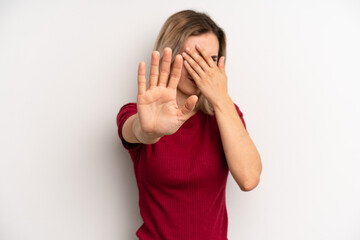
214, 58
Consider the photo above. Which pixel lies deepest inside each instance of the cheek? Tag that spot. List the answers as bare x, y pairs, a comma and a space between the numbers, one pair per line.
183, 77
184, 72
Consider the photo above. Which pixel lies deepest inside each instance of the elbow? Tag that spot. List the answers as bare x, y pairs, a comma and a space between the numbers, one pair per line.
249, 185
251, 181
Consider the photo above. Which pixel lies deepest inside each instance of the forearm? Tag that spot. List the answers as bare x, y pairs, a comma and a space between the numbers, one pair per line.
241, 154
133, 133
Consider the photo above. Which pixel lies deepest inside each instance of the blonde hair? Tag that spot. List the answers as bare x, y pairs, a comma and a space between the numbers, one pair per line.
177, 28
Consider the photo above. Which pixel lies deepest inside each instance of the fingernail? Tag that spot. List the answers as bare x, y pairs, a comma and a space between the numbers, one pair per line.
198, 45
187, 49
184, 54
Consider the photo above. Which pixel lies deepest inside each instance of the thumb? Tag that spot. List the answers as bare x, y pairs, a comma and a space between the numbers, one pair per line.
221, 63
189, 106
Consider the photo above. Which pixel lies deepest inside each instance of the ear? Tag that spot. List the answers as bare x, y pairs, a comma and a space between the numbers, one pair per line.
221, 63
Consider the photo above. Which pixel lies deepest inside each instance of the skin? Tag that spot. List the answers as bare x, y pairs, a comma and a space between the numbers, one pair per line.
186, 87
163, 109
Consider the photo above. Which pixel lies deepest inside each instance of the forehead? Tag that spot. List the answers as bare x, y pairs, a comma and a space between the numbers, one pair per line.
207, 41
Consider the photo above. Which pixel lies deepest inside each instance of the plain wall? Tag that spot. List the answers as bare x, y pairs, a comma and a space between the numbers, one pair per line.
66, 68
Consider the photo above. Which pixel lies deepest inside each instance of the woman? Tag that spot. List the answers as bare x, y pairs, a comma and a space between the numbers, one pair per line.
185, 134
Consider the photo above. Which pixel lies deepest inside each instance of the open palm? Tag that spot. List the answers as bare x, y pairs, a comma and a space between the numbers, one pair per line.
158, 111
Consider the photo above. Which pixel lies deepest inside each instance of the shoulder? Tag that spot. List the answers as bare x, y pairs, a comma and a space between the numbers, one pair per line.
238, 110
240, 114
129, 106
125, 112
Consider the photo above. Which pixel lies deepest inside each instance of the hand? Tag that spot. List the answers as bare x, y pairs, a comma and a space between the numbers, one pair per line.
209, 77
158, 111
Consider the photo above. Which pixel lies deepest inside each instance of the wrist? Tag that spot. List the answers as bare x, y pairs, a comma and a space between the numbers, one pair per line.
223, 102
142, 136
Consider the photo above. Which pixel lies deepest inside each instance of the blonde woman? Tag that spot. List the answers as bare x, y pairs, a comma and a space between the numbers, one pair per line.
184, 134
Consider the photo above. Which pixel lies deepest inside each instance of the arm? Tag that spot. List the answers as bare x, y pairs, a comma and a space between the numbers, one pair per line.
241, 154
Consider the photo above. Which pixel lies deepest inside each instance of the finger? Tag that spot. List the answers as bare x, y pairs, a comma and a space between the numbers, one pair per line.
141, 78
189, 106
195, 57
192, 72
209, 60
195, 66
165, 67
154, 69
176, 72
221, 64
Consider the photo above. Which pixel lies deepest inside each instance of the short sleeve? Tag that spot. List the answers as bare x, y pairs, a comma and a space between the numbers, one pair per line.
125, 112
241, 115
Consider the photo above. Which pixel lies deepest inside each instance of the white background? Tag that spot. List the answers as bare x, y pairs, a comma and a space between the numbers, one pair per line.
66, 68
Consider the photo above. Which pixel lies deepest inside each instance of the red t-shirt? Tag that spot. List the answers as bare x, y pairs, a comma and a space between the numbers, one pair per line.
181, 180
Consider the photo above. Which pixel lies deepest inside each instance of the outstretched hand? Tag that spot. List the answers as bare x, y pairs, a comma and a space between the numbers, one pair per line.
158, 111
